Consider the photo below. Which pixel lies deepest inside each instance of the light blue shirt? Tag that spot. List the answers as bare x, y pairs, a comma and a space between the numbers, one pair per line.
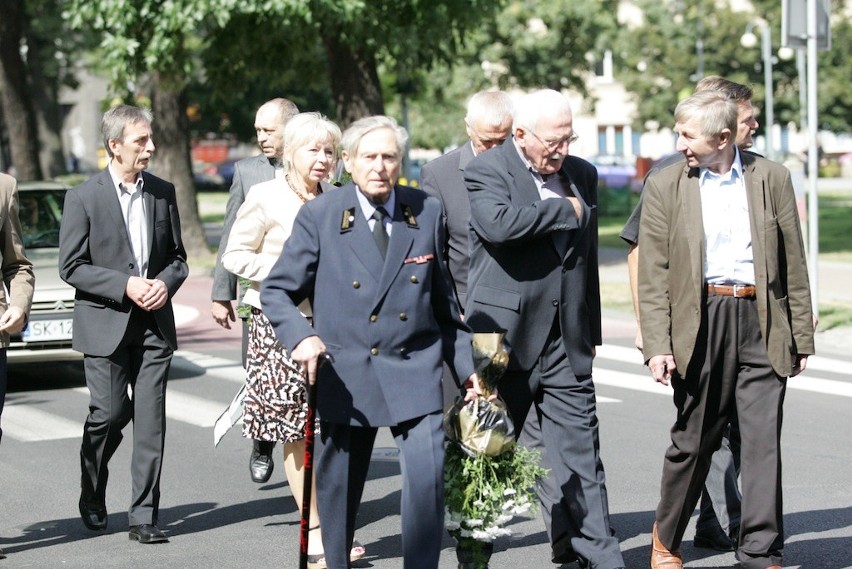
729, 258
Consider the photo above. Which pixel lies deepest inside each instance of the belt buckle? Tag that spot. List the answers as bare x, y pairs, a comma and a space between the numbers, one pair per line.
740, 288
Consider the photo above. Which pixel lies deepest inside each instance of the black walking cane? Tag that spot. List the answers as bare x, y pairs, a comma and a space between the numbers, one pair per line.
307, 485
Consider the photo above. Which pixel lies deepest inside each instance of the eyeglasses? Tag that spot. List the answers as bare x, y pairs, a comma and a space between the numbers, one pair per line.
551, 145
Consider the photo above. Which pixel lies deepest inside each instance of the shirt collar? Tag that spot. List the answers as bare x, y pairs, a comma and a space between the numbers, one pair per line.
368, 207
732, 175
117, 181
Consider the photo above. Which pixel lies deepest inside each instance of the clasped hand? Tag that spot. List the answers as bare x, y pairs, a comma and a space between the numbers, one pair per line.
147, 294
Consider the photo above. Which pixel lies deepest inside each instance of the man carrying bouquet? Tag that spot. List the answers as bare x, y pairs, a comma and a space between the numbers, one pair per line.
534, 273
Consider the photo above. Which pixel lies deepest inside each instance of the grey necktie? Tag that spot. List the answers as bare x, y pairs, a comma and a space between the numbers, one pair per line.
379, 233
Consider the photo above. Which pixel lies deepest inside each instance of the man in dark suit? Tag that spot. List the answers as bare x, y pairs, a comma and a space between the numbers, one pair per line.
725, 311
120, 247
534, 273
269, 124
718, 523
488, 122
369, 256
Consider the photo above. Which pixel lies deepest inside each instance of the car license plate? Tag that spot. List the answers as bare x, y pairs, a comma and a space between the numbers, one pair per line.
48, 330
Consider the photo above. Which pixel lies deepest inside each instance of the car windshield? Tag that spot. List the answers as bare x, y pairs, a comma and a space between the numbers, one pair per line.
40, 212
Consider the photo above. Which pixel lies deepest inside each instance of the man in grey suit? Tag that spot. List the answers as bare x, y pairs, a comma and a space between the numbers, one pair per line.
534, 274
488, 122
369, 256
120, 247
269, 124
725, 311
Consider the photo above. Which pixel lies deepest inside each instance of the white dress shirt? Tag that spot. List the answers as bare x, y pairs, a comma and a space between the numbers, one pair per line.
135, 219
727, 229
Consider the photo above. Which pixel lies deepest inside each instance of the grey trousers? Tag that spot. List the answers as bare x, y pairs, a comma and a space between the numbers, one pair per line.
557, 410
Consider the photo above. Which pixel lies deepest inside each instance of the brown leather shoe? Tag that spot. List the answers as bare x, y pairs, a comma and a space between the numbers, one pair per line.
662, 558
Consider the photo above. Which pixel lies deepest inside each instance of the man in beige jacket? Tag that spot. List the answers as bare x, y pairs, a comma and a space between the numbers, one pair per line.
726, 317
16, 295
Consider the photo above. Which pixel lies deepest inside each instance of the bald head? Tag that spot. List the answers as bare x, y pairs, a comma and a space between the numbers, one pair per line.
269, 124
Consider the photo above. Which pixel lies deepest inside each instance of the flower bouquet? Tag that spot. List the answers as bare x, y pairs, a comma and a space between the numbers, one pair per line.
487, 478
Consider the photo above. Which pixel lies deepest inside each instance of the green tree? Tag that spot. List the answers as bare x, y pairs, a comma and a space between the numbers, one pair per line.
15, 94
156, 44
658, 60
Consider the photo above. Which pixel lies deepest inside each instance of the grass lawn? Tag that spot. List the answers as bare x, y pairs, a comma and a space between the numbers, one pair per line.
835, 221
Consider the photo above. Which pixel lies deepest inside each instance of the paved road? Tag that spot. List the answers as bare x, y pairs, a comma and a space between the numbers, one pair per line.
218, 518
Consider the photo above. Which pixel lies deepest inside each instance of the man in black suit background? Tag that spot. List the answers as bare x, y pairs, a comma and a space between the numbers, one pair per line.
269, 124
534, 274
120, 247
488, 122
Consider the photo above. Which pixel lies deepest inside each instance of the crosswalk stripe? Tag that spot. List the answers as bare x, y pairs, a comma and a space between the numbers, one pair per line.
805, 382
186, 408
218, 367
27, 423
633, 356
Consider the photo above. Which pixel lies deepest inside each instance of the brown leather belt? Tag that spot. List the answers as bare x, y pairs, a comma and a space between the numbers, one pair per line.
737, 290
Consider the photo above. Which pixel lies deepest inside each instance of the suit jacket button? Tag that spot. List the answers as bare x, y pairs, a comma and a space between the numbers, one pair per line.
356, 284
403, 316
402, 351
554, 302
130, 265
374, 351
413, 279
373, 317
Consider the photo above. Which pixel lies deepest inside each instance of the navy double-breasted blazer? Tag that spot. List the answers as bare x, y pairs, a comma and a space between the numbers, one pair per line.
388, 323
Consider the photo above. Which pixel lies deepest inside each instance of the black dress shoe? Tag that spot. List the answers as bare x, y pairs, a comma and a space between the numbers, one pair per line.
94, 518
260, 462
147, 533
714, 538
563, 557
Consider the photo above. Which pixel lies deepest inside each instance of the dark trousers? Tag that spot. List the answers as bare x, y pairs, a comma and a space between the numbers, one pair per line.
342, 471
729, 375
557, 410
3, 382
141, 362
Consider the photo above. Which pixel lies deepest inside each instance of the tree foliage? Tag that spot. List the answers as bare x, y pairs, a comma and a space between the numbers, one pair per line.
658, 60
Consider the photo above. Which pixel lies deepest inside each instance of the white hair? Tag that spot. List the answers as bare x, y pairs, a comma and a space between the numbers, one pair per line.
491, 109
362, 127
533, 107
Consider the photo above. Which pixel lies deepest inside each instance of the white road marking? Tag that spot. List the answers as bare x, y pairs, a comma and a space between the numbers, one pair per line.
28, 423
804, 382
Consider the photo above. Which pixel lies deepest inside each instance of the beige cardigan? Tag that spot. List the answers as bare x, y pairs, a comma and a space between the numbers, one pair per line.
18, 279
263, 224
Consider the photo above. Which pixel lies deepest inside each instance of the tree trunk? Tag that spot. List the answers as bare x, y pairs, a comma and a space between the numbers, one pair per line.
17, 107
48, 113
354, 80
172, 160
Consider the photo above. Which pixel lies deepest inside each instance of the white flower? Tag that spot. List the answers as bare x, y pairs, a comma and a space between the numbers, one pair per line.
521, 509
502, 519
473, 523
479, 504
464, 533
451, 524
509, 492
509, 505
482, 535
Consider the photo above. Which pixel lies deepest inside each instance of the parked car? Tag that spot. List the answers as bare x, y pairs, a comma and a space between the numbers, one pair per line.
615, 171
217, 176
47, 336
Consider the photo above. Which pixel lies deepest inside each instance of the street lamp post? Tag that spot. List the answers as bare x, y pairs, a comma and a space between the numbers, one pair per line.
749, 40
